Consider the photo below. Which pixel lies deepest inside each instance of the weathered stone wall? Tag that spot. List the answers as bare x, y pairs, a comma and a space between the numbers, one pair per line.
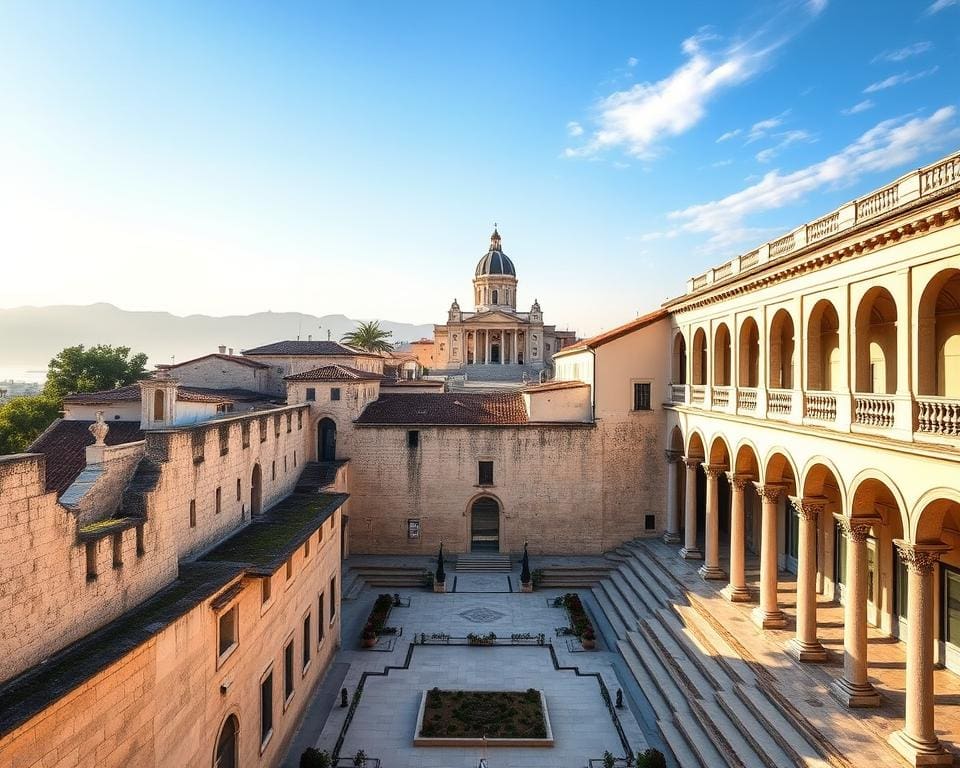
217, 373
97, 491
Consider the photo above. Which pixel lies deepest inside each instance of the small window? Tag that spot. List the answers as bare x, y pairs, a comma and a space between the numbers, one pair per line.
245, 434
91, 560
288, 671
118, 549
320, 619
485, 473
284, 463
307, 646
306, 549
193, 513
141, 548
266, 708
266, 589
335, 393
217, 508
650, 523
333, 597
239, 490
413, 438
495, 294
289, 423
294, 459
273, 470
228, 632
641, 396
289, 572
158, 405
311, 394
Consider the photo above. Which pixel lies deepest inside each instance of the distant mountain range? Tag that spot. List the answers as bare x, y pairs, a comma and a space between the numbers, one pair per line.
30, 336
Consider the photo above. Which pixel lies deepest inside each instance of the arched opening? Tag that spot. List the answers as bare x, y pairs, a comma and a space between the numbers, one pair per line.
747, 466
327, 440
749, 357
781, 351
496, 294
679, 364
938, 345
227, 743
717, 531
699, 357
939, 521
780, 472
485, 525
876, 359
693, 527
823, 348
821, 482
256, 491
158, 405
721, 356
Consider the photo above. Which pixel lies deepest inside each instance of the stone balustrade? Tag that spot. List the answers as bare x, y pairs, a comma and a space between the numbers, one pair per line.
747, 399
780, 402
678, 393
821, 406
938, 416
698, 394
721, 396
874, 410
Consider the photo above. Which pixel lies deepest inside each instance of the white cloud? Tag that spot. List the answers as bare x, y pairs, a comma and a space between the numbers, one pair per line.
721, 163
816, 6
887, 145
860, 106
574, 128
900, 79
940, 5
761, 128
632, 61
900, 54
786, 139
729, 135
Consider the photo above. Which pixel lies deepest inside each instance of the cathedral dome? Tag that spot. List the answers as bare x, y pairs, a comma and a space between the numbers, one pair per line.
495, 261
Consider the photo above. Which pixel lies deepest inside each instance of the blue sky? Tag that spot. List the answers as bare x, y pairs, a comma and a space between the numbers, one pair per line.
352, 157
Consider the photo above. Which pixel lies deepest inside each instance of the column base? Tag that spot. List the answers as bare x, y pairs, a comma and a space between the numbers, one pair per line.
671, 538
863, 696
711, 573
806, 652
918, 752
691, 553
736, 594
765, 619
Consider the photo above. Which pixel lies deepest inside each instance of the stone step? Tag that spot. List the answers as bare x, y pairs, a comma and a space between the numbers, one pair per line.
639, 587
624, 612
735, 748
649, 559
780, 728
478, 561
354, 586
761, 740
736, 669
568, 582
638, 609
688, 675
619, 628
658, 703
676, 740
702, 658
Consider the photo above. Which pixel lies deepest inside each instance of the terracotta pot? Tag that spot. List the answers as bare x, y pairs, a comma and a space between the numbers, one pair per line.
369, 642
588, 645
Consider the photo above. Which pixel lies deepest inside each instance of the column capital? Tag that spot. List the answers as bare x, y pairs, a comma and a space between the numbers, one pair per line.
770, 491
692, 462
808, 507
713, 471
739, 481
857, 528
673, 456
920, 558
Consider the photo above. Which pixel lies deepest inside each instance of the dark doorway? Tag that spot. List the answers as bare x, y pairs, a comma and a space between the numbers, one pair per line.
485, 525
327, 440
256, 491
226, 756
494, 353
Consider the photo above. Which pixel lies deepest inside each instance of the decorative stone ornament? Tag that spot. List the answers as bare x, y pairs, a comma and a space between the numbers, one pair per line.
99, 430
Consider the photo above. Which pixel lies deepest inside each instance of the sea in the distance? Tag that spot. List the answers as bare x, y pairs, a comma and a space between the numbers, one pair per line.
19, 373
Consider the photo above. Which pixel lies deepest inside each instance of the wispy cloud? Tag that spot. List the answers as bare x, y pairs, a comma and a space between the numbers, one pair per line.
887, 145
729, 135
574, 128
786, 139
721, 163
860, 106
816, 7
900, 79
940, 5
901, 54
632, 61
761, 128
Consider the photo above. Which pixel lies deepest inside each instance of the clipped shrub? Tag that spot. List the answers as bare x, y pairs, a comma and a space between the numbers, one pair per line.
651, 758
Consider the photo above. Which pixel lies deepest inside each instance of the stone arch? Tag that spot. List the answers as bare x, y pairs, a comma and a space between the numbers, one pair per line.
696, 445
779, 467
679, 359
823, 347
256, 490
326, 439
862, 494
930, 513
938, 342
720, 451
747, 459
815, 481
484, 514
699, 357
159, 405
226, 752
749, 354
676, 439
876, 354
780, 352
721, 356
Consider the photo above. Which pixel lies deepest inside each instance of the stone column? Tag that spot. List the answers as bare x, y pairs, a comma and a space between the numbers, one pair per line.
736, 591
768, 614
918, 741
672, 534
690, 549
805, 646
503, 347
486, 339
853, 689
711, 566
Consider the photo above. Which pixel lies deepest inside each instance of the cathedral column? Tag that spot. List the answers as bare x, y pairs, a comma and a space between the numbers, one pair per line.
854, 689
690, 550
918, 741
711, 565
768, 614
486, 359
805, 646
672, 534
503, 347
736, 591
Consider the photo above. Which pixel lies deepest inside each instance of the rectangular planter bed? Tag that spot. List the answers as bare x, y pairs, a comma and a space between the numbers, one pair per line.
477, 701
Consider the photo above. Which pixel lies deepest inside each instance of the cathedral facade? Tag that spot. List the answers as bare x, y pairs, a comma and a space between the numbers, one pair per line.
496, 333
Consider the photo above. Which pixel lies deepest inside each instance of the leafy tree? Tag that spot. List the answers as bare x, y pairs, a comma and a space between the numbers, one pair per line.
77, 369
23, 418
369, 336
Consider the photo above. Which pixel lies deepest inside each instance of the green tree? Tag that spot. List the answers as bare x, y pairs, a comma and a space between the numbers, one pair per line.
369, 336
23, 418
77, 369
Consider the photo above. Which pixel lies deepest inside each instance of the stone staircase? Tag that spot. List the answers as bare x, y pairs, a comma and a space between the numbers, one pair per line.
495, 372
709, 704
355, 577
558, 577
484, 561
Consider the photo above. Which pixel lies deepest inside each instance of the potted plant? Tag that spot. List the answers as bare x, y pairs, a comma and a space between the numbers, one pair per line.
360, 759
369, 636
526, 583
314, 758
609, 761
588, 639
651, 758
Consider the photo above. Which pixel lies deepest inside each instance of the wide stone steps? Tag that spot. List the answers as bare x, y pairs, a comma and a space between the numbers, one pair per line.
637, 594
476, 561
385, 576
616, 622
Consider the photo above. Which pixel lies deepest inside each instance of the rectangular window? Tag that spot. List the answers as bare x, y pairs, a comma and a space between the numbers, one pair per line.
294, 459
245, 434
266, 589
307, 647
227, 638
288, 671
141, 548
320, 619
485, 473
217, 507
273, 470
641, 396
413, 438
311, 394
289, 422
289, 569
335, 393
333, 597
193, 513
239, 490
91, 560
266, 708
118, 550
284, 463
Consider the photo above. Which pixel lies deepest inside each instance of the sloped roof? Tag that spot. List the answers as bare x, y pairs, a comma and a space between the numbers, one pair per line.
187, 394
334, 373
453, 408
308, 348
614, 333
548, 386
240, 359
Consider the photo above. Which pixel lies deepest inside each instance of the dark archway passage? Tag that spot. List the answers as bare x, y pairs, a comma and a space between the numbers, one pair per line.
485, 525
256, 491
327, 440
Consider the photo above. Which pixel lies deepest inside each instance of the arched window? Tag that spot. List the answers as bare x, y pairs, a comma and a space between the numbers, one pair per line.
679, 359
226, 756
781, 351
699, 357
938, 344
876, 368
495, 296
823, 348
721, 357
158, 405
749, 356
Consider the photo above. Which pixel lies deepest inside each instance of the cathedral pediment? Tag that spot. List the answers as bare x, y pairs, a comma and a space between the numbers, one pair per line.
493, 317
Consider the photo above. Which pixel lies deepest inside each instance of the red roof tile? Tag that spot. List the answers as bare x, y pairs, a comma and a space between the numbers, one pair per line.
334, 373
453, 408
548, 386
614, 333
228, 358
308, 348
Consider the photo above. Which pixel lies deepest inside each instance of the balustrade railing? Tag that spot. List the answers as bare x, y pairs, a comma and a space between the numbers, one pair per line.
873, 410
820, 406
678, 393
780, 402
940, 175
784, 245
746, 399
749, 259
823, 227
721, 397
698, 394
878, 202
938, 416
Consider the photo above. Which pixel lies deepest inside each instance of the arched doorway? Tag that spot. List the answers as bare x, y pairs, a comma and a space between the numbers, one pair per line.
485, 525
256, 491
327, 440
226, 755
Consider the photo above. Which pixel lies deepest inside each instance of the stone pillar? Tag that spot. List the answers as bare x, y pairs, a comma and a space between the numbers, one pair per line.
711, 566
486, 338
690, 549
503, 347
918, 741
672, 534
736, 591
805, 646
853, 689
768, 614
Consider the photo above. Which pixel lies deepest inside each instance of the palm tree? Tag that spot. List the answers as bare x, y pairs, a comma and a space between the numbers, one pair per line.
369, 336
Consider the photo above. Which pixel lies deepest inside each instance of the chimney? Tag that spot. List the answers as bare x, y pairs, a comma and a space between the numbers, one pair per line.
222, 349
231, 351
309, 337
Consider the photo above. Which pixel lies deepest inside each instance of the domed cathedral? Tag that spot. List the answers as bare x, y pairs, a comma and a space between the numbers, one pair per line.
496, 341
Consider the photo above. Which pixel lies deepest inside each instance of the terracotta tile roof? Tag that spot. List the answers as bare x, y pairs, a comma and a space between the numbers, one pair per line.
131, 393
548, 386
228, 358
614, 333
120, 394
334, 373
388, 382
64, 443
503, 408
308, 348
